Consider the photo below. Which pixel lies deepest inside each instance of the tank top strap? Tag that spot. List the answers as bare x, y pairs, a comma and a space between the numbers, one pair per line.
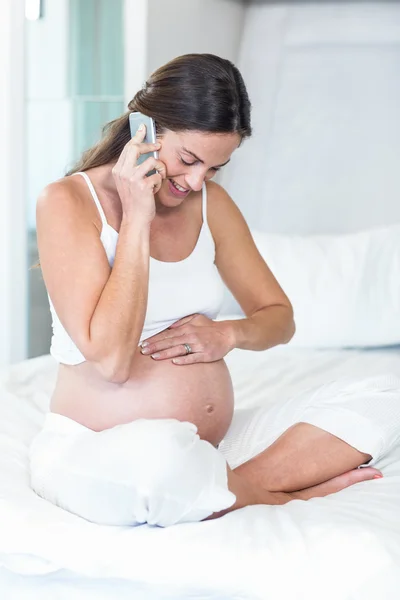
204, 205
94, 196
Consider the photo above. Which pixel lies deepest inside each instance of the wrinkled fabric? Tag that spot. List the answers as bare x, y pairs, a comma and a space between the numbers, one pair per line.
161, 473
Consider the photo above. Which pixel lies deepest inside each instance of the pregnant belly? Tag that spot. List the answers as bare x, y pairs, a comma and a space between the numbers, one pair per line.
200, 393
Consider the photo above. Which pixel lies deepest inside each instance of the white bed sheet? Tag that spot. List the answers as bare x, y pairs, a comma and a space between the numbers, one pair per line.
344, 547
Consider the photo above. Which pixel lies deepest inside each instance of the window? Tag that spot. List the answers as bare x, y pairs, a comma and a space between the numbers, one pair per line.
96, 68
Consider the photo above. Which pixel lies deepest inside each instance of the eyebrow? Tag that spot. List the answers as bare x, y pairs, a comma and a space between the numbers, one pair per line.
202, 161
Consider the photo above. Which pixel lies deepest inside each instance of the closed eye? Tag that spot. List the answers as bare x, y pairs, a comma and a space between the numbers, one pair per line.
187, 164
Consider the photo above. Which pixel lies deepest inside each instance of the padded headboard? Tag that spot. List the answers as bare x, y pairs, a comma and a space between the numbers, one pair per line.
324, 81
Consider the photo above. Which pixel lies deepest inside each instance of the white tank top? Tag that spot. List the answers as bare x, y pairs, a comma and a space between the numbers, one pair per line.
176, 289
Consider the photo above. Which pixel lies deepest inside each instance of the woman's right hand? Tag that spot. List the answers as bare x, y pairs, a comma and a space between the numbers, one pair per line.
135, 189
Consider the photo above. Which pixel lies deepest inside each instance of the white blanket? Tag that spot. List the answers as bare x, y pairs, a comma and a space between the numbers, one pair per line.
343, 547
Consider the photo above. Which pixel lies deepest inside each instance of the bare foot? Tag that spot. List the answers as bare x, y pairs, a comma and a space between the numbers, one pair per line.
338, 483
247, 495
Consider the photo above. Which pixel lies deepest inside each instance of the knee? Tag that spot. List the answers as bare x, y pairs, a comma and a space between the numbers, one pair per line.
179, 476
159, 449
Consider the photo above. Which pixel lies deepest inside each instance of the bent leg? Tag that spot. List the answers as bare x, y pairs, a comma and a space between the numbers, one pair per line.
249, 492
155, 471
302, 457
317, 436
160, 472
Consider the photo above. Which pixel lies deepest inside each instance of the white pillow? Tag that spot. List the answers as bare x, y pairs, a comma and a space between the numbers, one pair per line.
345, 289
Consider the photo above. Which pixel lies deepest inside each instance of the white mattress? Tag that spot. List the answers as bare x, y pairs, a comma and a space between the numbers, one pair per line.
344, 547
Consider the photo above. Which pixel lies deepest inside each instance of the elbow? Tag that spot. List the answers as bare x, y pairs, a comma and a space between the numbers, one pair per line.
116, 376
112, 366
112, 369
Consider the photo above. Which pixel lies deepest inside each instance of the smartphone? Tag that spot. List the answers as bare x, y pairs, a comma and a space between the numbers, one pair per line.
136, 119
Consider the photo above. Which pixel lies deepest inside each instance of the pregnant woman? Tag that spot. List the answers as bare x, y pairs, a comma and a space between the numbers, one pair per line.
141, 425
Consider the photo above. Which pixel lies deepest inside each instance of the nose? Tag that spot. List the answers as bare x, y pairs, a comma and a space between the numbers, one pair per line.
195, 180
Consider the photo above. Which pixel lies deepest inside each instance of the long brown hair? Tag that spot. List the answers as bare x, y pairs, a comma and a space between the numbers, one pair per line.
198, 92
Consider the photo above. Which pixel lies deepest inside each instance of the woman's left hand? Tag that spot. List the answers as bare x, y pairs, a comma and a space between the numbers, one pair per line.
208, 341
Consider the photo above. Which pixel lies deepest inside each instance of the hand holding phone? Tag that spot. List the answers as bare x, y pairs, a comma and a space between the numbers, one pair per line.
135, 184
135, 120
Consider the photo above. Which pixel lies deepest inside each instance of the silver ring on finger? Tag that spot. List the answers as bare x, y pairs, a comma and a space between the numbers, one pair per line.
188, 349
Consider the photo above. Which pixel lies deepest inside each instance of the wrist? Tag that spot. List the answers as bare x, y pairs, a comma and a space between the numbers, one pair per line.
136, 220
231, 330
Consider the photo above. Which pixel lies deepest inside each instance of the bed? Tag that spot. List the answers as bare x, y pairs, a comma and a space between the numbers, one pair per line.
304, 63
346, 546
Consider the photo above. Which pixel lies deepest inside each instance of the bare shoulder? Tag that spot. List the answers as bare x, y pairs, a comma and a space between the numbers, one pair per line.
64, 199
217, 195
223, 215
60, 194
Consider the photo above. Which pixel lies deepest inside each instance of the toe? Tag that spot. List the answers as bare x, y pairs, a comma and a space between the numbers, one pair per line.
363, 474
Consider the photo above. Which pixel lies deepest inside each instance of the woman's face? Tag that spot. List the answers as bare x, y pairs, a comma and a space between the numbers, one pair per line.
192, 157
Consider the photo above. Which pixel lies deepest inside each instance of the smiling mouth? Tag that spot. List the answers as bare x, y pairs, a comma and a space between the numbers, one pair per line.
179, 187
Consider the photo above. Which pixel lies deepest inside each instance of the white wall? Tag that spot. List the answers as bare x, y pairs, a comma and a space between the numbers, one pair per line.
158, 30
13, 267
135, 45
48, 105
324, 80
182, 26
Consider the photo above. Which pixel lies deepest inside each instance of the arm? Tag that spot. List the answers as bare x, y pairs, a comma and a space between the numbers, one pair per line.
102, 309
269, 313
268, 310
